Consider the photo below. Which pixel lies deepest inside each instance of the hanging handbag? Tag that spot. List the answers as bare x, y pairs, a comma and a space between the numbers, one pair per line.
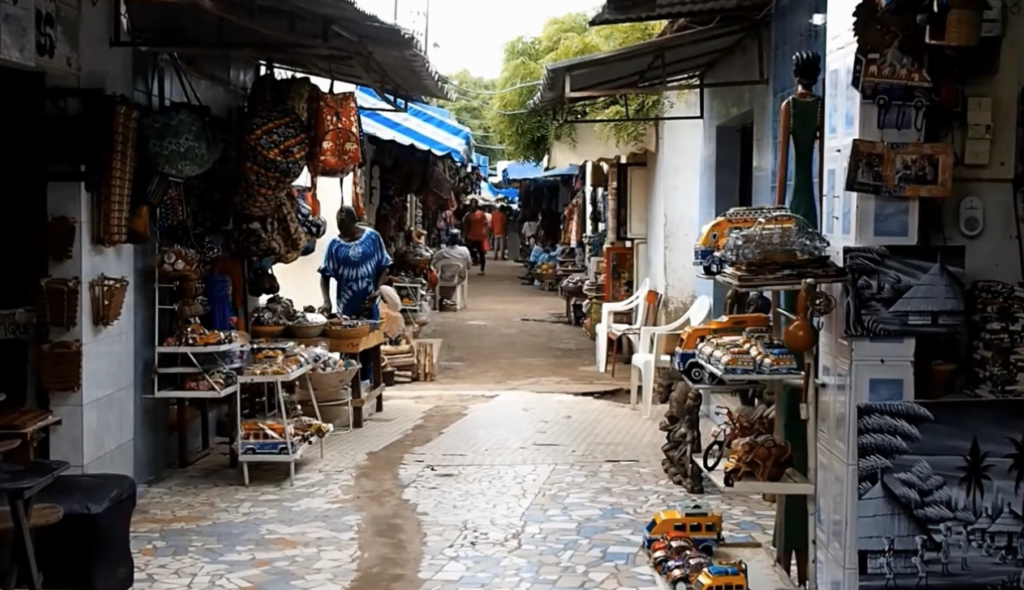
336, 149
180, 140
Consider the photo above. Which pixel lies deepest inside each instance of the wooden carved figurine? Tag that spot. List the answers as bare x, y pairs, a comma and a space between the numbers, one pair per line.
801, 117
682, 434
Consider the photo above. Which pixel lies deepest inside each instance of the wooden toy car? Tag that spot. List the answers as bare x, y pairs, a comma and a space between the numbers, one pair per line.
714, 235
701, 527
685, 357
723, 575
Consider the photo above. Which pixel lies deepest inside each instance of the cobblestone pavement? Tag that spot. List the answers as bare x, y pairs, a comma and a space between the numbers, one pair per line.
530, 492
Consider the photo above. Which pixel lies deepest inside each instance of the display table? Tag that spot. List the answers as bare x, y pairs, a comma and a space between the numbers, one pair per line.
19, 484
372, 342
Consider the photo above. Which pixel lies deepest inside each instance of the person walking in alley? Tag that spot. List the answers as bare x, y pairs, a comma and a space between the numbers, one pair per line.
944, 550
922, 572
475, 225
358, 262
499, 229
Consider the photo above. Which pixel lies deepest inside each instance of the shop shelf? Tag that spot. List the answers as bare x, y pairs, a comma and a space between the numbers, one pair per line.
194, 370
199, 349
792, 483
772, 284
749, 381
275, 378
192, 394
294, 456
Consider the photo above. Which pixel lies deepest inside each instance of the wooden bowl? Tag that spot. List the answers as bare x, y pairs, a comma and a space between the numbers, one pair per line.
306, 330
335, 333
267, 331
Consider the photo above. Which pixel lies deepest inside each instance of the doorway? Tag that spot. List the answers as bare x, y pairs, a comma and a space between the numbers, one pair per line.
734, 174
21, 106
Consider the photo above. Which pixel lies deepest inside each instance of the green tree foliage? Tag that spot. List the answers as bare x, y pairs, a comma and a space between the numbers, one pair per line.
528, 135
470, 108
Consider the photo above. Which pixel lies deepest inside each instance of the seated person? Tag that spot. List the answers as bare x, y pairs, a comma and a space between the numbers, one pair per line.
452, 250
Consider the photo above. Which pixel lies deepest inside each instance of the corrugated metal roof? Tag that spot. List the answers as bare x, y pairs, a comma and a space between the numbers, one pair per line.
329, 38
627, 11
671, 59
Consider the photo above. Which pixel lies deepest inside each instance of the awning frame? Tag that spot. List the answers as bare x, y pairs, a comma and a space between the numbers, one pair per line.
282, 33
697, 83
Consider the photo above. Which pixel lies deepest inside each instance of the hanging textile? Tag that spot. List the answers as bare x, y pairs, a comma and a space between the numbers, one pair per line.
180, 140
276, 146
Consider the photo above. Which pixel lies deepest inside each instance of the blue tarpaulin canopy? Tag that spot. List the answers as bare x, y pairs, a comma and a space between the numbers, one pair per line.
521, 171
490, 192
570, 170
483, 163
420, 126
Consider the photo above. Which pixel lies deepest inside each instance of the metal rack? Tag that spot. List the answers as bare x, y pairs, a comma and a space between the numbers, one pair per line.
293, 449
793, 482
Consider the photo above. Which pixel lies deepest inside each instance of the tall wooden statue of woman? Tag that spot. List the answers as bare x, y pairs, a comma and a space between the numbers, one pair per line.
800, 123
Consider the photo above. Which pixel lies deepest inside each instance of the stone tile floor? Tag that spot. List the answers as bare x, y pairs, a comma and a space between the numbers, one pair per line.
498, 515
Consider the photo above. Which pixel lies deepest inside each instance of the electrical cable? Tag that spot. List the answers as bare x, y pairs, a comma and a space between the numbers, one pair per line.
494, 92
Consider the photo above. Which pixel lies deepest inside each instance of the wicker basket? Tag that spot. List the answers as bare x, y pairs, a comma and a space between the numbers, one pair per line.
306, 330
111, 203
328, 387
546, 277
60, 299
347, 333
59, 240
107, 295
60, 366
267, 331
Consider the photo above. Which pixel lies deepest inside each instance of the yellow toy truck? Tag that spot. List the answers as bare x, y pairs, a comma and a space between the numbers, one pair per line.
714, 234
685, 356
722, 576
702, 527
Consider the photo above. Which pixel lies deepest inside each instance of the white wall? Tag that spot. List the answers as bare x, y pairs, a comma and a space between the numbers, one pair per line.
589, 145
98, 421
673, 213
109, 426
685, 188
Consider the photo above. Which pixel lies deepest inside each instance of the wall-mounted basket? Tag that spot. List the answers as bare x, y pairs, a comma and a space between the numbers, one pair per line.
107, 295
59, 242
60, 301
60, 366
111, 202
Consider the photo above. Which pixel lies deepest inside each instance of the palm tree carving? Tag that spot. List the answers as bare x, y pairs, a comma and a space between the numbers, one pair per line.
1017, 466
975, 473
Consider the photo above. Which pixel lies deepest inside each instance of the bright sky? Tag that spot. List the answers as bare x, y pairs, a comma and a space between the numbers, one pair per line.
471, 35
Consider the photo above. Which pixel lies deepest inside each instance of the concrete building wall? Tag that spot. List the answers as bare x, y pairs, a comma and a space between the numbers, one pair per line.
108, 426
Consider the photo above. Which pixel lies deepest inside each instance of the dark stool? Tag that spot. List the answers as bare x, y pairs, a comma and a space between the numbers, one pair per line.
90, 549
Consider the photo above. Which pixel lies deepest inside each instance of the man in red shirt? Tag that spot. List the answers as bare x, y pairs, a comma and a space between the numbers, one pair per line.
498, 228
476, 226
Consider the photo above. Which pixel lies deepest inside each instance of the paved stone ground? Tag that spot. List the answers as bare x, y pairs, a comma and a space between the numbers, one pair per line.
527, 491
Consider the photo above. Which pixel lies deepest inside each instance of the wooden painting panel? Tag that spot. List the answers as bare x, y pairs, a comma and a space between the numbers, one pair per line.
940, 492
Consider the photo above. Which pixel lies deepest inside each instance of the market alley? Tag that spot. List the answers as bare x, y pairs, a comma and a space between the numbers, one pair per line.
514, 337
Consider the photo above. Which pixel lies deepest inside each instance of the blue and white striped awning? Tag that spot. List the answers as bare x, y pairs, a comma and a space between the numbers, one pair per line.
420, 126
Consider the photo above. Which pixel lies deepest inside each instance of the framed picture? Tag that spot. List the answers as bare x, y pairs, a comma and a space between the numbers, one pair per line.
866, 171
919, 170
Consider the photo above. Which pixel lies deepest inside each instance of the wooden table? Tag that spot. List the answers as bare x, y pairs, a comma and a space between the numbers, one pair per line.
20, 483
371, 342
28, 427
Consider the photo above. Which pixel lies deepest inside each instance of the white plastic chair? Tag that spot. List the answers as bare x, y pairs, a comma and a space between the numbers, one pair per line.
634, 301
461, 287
648, 356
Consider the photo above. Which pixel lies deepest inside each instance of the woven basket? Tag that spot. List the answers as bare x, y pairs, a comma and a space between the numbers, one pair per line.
306, 330
347, 333
111, 203
60, 238
60, 299
267, 331
60, 366
328, 387
546, 277
107, 295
